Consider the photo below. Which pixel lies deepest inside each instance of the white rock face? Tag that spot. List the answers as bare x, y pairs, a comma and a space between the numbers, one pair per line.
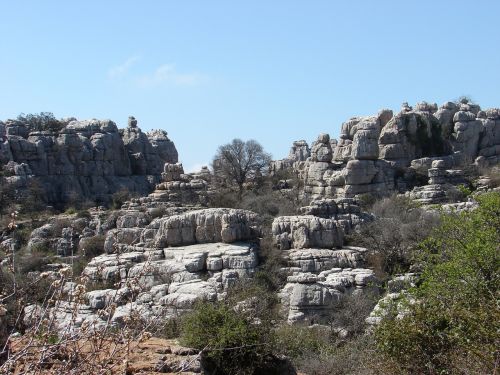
169, 280
312, 298
318, 260
209, 225
300, 232
320, 275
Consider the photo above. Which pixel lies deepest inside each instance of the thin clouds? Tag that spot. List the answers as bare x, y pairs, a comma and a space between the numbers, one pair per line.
123, 69
165, 74
168, 74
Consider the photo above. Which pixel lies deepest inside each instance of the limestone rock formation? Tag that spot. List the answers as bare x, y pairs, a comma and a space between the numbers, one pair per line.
299, 152
441, 184
321, 272
388, 153
163, 266
301, 232
312, 298
89, 159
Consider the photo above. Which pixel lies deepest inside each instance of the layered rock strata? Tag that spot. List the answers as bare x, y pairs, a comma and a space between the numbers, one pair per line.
88, 159
388, 153
321, 272
159, 268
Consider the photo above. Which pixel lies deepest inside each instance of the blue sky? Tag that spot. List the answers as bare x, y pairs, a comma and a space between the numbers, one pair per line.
275, 71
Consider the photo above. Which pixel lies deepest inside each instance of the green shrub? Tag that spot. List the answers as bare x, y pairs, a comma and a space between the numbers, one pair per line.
71, 211
43, 121
464, 190
453, 328
120, 197
230, 342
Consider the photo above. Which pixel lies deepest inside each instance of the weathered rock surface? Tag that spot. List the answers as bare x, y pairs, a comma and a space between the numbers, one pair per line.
312, 298
441, 187
301, 232
208, 225
390, 153
321, 272
299, 152
89, 159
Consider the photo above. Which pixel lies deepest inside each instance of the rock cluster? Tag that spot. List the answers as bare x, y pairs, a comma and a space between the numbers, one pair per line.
321, 272
299, 152
178, 189
389, 152
441, 185
88, 159
161, 267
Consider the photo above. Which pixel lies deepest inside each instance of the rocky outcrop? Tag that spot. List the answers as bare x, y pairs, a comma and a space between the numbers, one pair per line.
301, 232
161, 267
299, 152
388, 153
441, 186
178, 189
321, 272
208, 225
312, 297
89, 159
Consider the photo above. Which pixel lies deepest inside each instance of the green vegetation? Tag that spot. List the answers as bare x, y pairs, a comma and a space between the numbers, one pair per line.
230, 341
464, 190
43, 121
119, 198
453, 328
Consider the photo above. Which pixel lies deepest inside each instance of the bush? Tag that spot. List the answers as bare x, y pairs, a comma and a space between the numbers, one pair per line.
354, 357
453, 328
83, 214
230, 343
43, 121
268, 204
91, 247
119, 198
297, 342
394, 235
157, 212
71, 211
33, 201
351, 313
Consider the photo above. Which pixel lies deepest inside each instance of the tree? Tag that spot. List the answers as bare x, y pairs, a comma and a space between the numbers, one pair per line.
44, 121
453, 327
240, 162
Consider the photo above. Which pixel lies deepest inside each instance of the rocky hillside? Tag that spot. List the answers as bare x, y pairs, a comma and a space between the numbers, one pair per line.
313, 245
86, 160
392, 153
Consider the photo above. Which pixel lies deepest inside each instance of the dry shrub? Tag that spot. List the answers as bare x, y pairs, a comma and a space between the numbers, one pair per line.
351, 313
355, 357
393, 236
91, 247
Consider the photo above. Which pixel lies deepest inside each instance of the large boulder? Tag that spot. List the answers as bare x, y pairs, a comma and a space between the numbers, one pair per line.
208, 225
300, 232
